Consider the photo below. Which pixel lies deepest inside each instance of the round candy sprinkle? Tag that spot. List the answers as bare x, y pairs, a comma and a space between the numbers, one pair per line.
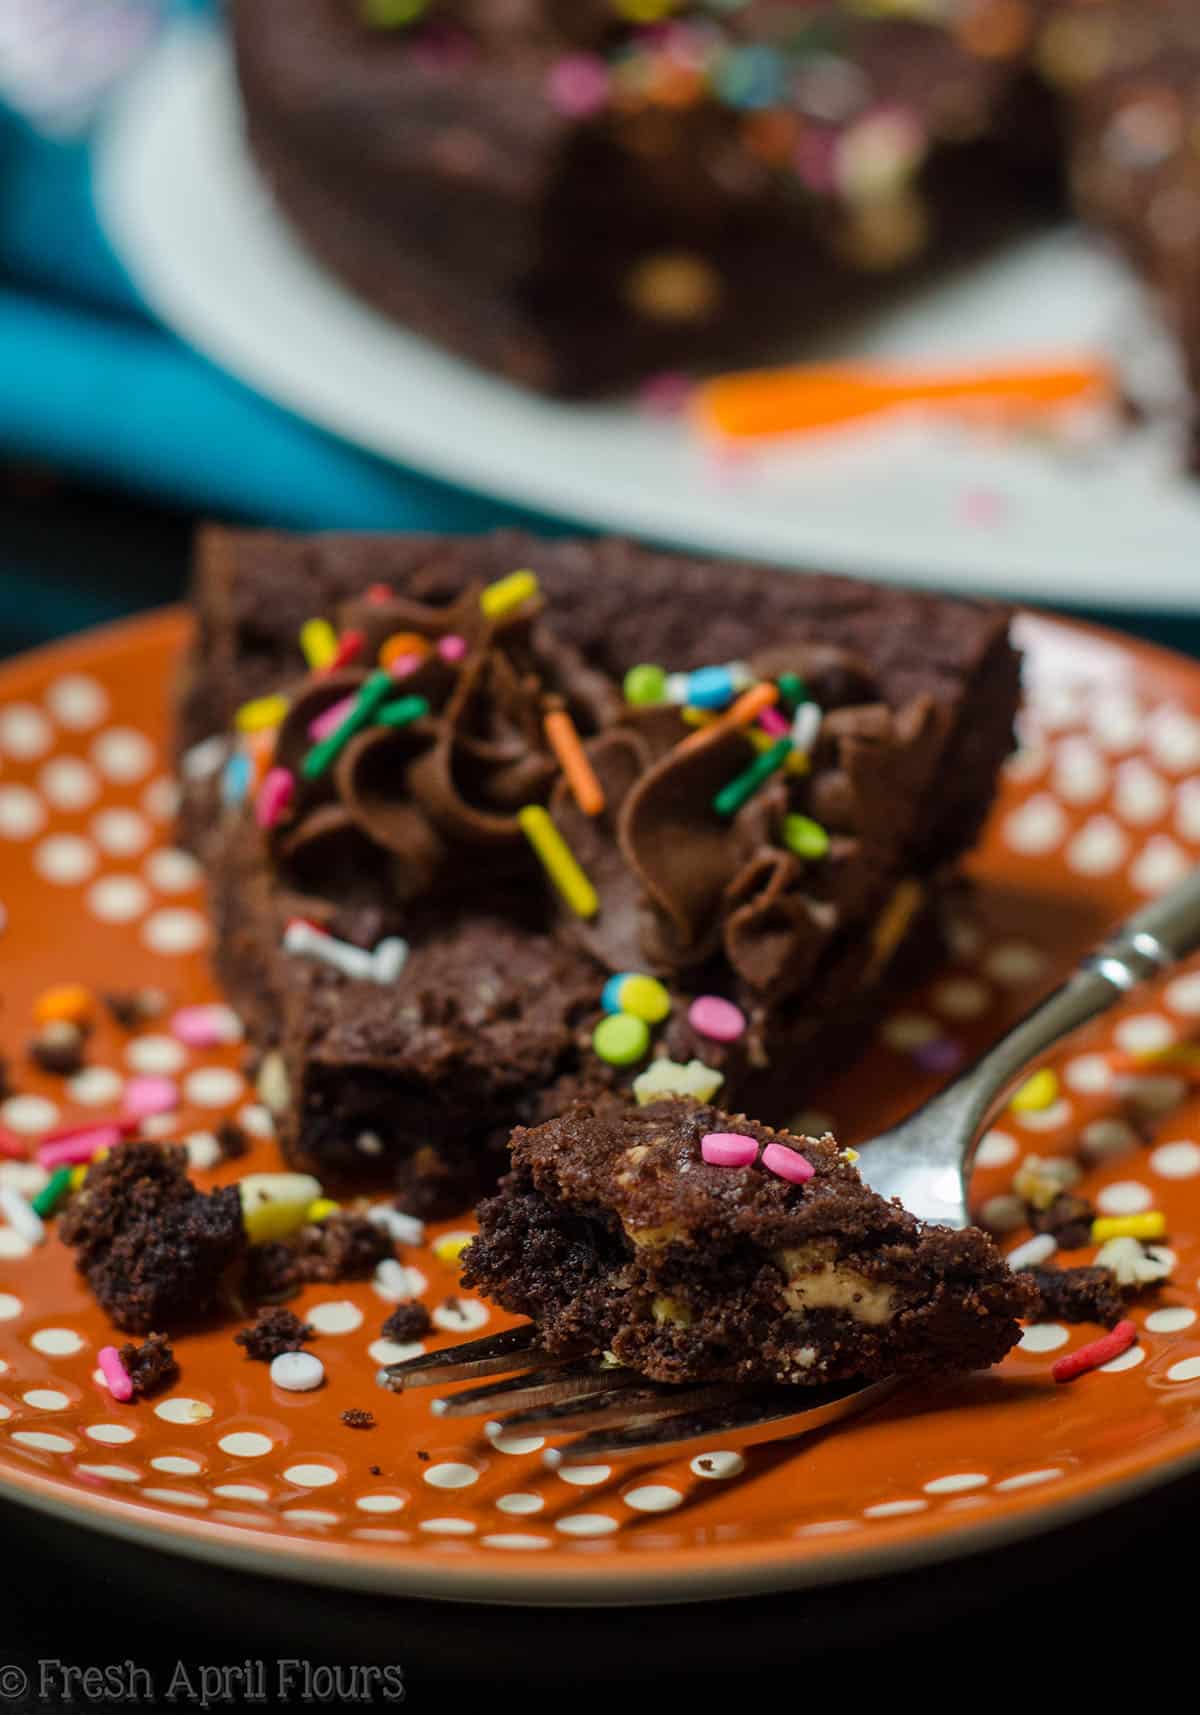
621, 1039
452, 648
318, 642
68, 1003
792, 690
297, 1372
399, 645
805, 837
147, 1096
120, 1384
1037, 1093
644, 997
711, 688
728, 1148
718, 1019
205, 1026
787, 1163
645, 684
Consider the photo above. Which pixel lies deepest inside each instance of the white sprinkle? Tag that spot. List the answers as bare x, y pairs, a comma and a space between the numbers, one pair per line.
404, 1229
397, 1282
297, 1372
806, 726
389, 959
21, 1216
1033, 1252
302, 940
122, 754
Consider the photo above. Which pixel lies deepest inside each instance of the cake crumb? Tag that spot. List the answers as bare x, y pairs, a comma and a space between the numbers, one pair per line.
274, 1331
150, 1366
232, 1141
1078, 1295
407, 1322
131, 1008
60, 1049
358, 1419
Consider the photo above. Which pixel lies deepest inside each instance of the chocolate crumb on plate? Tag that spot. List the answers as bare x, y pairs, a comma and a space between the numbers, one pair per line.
275, 1330
150, 1366
232, 1141
60, 1049
356, 1418
1078, 1295
407, 1322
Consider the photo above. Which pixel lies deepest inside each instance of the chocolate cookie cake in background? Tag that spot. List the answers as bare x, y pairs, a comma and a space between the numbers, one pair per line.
449, 808
575, 193
695, 1246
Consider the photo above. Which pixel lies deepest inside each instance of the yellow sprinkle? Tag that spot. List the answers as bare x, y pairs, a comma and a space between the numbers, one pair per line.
558, 860
450, 1247
318, 641
78, 1175
1151, 1225
260, 714
508, 593
698, 717
320, 1209
850, 1155
1039, 1093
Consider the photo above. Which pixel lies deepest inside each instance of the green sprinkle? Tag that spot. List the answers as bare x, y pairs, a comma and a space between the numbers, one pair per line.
391, 14
645, 684
379, 686
403, 713
805, 837
52, 1192
792, 689
621, 1039
730, 798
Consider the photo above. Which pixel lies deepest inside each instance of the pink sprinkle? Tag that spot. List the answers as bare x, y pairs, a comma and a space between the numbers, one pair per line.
115, 1374
665, 395
403, 665
770, 720
787, 1163
205, 1026
67, 1133
70, 1151
983, 507
715, 1018
145, 1097
728, 1149
578, 85
274, 796
12, 1148
452, 648
330, 720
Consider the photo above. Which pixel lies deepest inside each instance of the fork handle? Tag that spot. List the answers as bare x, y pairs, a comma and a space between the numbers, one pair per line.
1146, 945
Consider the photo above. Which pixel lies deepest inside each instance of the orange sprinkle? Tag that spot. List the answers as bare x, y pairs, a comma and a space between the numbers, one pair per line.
402, 643
746, 709
68, 1002
580, 775
261, 748
792, 401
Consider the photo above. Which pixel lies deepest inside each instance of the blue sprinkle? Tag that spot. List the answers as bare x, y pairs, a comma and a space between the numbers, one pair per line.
711, 688
751, 78
235, 781
610, 994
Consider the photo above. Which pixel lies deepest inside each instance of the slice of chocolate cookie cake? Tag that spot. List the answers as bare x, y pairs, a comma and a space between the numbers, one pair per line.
452, 796
693, 1246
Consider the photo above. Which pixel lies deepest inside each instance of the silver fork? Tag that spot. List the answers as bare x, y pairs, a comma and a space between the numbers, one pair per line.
925, 1161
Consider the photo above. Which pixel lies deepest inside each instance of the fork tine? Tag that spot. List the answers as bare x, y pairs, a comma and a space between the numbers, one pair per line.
513, 1349
774, 1413
538, 1387
626, 1408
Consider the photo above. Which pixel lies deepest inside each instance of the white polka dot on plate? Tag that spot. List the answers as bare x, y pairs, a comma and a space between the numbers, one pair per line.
1108, 1140
961, 997
585, 1476
718, 1465
213, 1086
895, 1509
450, 1474
1014, 963
1126, 1360
1186, 1370
311, 1476
448, 1526
335, 1316
203, 1150
117, 898
241, 1492
1187, 810
21, 813
120, 832
46, 1399
397, 1282
461, 1315
181, 1409
394, 1351
383, 1503
176, 1497
1174, 740
1045, 1119
257, 1120
160, 800
520, 1503
95, 1086
1145, 1033
652, 1498
1172, 1319
111, 1434
175, 1465
1088, 1074
996, 1149
1044, 1337
1037, 827
905, 1031
1028, 762
24, 731
955, 1484
12, 1245
1080, 772
245, 1444
1029, 1479
172, 871
122, 754
1099, 848
56, 1342
1125, 1197
586, 1524
514, 1539
1159, 865
174, 930
1176, 1160
28, 1114
65, 859
1183, 995
68, 783
1141, 795
1117, 721
43, 1442
77, 701
155, 1054
516, 1444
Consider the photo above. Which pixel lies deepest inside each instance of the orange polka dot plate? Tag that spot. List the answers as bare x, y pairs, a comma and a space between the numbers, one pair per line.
1099, 809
